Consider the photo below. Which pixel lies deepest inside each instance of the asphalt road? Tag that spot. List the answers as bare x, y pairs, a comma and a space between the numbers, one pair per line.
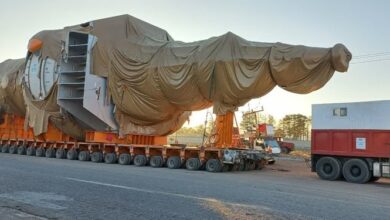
41, 188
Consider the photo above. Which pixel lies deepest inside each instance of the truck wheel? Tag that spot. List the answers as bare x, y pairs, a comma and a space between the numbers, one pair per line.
356, 171
40, 152
213, 165
97, 157
193, 163
140, 160
50, 153
71, 154
174, 162
30, 151
22, 150
284, 150
84, 156
156, 161
5, 148
124, 159
110, 158
60, 154
13, 149
328, 168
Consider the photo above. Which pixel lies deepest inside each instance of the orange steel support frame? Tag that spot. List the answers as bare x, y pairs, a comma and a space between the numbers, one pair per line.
224, 128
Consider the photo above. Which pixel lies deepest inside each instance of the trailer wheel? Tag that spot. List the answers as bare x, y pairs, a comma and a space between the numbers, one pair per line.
174, 162
156, 161
40, 152
50, 153
328, 168
5, 148
285, 150
13, 149
140, 160
30, 151
110, 158
356, 171
213, 165
60, 154
22, 150
71, 154
124, 159
97, 157
241, 166
193, 163
84, 156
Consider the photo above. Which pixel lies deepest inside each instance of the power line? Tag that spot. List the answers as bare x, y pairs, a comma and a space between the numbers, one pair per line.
370, 61
371, 55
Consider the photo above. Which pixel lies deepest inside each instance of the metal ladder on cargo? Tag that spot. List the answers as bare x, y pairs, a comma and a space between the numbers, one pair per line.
72, 84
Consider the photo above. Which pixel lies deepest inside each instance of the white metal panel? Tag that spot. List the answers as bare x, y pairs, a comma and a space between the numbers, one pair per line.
360, 115
32, 73
49, 75
95, 92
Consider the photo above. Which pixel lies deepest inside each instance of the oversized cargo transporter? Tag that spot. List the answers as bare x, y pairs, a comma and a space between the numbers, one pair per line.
112, 89
351, 140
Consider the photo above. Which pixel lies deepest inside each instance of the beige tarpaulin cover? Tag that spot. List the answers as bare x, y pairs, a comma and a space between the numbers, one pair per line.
155, 82
11, 92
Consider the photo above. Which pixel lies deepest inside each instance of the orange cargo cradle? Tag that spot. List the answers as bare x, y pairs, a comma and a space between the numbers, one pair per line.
108, 147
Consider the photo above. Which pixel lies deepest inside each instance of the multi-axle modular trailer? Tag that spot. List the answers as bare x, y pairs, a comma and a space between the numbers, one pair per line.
132, 149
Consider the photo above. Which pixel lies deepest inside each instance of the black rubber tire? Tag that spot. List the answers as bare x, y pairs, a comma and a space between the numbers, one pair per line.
140, 160
97, 157
285, 150
213, 165
30, 151
5, 148
84, 156
50, 153
13, 149
174, 162
156, 161
193, 163
124, 159
60, 153
251, 165
241, 166
72, 154
328, 168
356, 171
22, 150
40, 152
110, 158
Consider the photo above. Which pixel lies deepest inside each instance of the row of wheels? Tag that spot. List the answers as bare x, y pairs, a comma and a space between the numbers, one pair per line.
173, 162
353, 170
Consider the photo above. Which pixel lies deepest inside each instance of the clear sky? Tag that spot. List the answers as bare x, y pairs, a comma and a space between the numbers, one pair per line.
363, 26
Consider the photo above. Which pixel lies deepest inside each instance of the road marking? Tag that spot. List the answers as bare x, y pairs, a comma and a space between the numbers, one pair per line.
163, 193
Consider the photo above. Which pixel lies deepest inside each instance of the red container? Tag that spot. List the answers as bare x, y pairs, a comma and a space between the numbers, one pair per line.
352, 143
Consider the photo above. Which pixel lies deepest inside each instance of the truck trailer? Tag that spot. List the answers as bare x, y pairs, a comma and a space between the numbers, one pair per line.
351, 140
